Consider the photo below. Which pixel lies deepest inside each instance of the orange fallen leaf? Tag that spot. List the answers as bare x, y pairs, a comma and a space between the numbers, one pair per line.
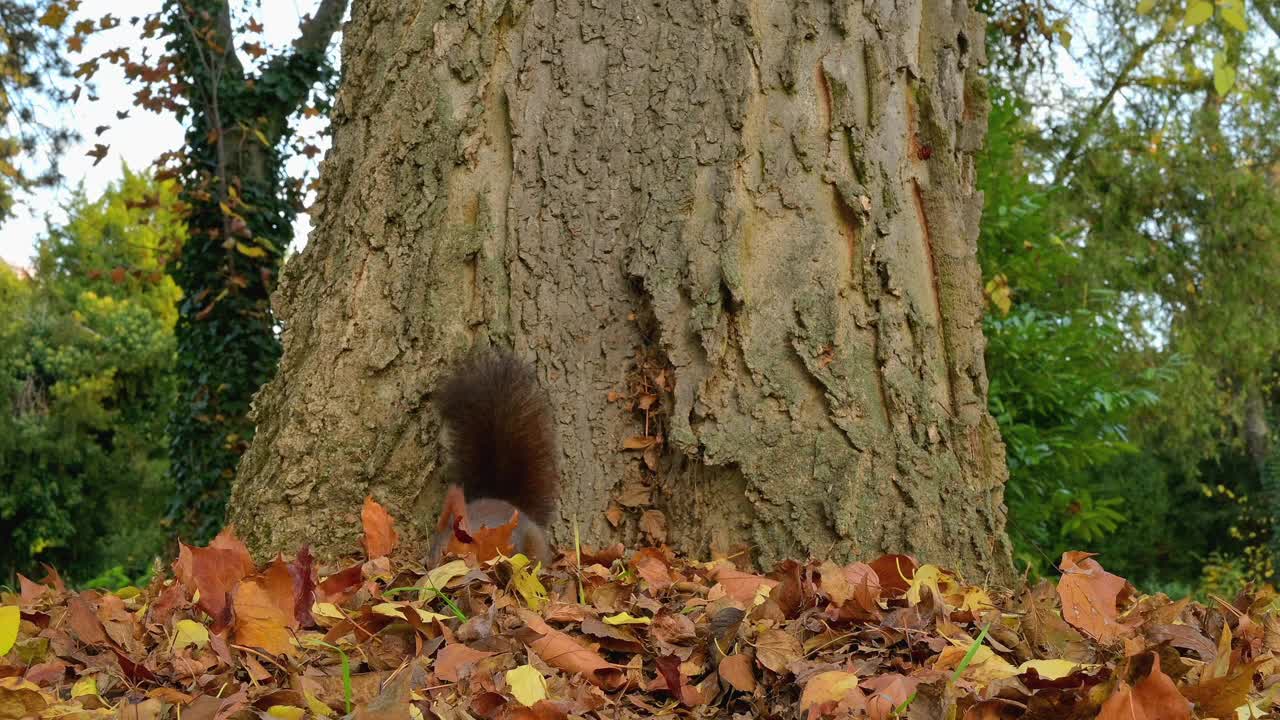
1155, 697
1090, 596
265, 610
379, 531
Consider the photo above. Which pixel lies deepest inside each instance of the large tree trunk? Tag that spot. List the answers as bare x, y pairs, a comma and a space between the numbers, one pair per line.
763, 213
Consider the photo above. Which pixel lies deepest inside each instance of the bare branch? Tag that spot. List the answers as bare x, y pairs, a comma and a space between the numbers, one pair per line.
316, 31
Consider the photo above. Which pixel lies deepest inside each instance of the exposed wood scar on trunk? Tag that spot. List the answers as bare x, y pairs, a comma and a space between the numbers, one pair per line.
917, 194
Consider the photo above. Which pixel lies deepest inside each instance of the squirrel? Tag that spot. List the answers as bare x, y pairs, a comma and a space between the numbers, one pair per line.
502, 462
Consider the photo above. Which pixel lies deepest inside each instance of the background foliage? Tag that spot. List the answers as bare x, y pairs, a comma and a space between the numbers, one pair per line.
86, 386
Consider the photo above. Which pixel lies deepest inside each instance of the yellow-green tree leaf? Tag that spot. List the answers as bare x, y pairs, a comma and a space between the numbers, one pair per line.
1224, 76
10, 619
1233, 13
189, 633
527, 685
1146, 6
1198, 12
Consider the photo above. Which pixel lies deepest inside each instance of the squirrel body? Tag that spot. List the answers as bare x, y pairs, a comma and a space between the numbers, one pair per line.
502, 462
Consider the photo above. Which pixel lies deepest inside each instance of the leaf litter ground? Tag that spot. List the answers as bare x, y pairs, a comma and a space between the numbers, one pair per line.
612, 634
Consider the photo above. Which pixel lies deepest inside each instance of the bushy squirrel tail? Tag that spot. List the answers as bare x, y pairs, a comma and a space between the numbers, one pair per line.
503, 441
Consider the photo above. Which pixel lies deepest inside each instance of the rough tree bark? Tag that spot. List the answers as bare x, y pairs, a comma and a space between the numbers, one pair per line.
766, 208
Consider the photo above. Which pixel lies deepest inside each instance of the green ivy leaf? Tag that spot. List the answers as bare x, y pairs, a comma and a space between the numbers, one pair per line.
1198, 12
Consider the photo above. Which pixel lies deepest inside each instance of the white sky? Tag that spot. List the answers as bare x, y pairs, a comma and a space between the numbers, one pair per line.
139, 139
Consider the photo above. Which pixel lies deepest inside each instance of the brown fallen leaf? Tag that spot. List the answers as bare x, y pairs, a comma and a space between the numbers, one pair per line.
740, 586
887, 693
825, 691
390, 704
84, 621
653, 523
777, 649
454, 660
379, 531
737, 671
564, 653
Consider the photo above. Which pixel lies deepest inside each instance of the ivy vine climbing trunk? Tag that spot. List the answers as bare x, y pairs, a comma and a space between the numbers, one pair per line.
737, 239
240, 213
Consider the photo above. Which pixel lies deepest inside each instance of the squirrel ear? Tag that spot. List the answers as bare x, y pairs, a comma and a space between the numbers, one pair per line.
455, 509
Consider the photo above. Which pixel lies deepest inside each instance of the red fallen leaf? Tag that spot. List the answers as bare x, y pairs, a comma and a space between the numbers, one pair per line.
452, 660
736, 670
676, 683
52, 578
564, 653
484, 543
340, 586
379, 533
739, 585
304, 586
894, 572
84, 622
1155, 697
1090, 596
214, 572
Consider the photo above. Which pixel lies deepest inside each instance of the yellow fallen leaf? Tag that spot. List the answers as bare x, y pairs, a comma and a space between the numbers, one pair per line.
85, 686
926, 576
1052, 669
190, 633
527, 685
316, 707
285, 712
414, 712
397, 610
437, 578
624, 618
526, 582
327, 610
10, 619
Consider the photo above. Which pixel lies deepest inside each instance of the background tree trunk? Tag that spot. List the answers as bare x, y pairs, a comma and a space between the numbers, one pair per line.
761, 213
